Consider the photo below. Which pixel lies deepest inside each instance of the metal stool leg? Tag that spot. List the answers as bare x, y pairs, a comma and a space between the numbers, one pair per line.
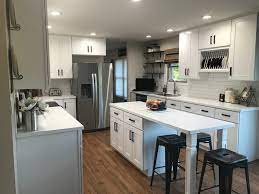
213, 169
168, 169
154, 164
202, 173
225, 180
175, 156
247, 179
197, 156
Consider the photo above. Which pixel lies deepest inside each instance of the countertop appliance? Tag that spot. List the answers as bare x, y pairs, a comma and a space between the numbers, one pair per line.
55, 92
145, 84
92, 84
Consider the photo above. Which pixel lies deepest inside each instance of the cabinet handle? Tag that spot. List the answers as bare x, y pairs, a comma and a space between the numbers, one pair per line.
204, 111
88, 49
173, 104
187, 107
65, 105
132, 136
185, 71
225, 115
210, 39
132, 120
91, 49
115, 126
188, 71
116, 113
61, 72
58, 72
230, 71
214, 39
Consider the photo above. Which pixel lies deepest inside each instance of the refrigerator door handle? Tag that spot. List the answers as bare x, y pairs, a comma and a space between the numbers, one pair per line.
96, 100
93, 91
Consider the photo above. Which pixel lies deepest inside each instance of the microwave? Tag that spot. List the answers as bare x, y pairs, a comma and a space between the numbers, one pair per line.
145, 84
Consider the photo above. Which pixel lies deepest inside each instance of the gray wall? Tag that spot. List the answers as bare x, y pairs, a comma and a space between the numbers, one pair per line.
7, 123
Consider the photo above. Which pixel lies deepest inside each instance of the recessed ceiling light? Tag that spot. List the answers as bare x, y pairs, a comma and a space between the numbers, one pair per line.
55, 13
188, 32
206, 17
49, 26
93, 34
148, 36
170, 30
135, 0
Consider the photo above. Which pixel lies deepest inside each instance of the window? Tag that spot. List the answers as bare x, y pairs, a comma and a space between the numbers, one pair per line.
120, 76
173, 73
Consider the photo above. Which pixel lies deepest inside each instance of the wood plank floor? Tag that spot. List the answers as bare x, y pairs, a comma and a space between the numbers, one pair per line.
107, 172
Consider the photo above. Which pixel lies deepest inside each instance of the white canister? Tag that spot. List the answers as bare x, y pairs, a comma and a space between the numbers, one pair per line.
229, 93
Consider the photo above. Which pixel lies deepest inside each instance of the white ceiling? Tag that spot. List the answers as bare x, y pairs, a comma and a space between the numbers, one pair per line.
125, 19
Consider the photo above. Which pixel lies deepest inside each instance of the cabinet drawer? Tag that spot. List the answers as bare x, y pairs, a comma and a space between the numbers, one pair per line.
174, 104
227, 115
116, 113
189, 107
206, 111
133, 120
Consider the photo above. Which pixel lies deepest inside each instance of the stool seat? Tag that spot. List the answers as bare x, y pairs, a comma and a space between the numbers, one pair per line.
172, 140
201, 137
225, 157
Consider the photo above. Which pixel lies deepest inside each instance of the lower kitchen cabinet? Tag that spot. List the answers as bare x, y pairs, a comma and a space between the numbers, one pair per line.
133, 145
69, 104
117, 132
50, 163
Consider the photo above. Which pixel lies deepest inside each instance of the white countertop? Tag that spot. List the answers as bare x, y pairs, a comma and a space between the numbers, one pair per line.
54, 120
183, 121
49, 98
202, 101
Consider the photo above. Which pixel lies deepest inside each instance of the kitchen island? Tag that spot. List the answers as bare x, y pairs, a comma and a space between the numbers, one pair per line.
49, 160
134, 129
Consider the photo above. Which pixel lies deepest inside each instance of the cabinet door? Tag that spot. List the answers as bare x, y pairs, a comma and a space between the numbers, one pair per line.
120, 132
217, 35
184, 53
194, 63
70, 106
98, 47
54, 58
243, 45
137, 152
81, 46
222, 34
127, 142
30, 44
113, 133
65, 56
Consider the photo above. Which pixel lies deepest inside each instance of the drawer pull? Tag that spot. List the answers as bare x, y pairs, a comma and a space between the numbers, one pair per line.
204, 111
173, 104
225, 115
132, 120
187, 107
132, 136
116, 113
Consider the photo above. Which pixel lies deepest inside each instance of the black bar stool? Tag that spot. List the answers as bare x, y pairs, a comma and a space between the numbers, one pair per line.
227, 161
202, 138
172, 144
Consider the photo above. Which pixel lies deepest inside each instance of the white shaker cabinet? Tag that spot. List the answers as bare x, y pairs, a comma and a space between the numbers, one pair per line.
243, 63
88, 46
216, 35
60, 57
116, 128
188, 55
70, 106
30, 44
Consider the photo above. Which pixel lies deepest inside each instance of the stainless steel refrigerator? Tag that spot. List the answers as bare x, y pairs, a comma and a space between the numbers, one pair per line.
93, 85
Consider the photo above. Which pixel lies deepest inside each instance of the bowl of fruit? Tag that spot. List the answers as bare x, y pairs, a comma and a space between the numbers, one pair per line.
156, 105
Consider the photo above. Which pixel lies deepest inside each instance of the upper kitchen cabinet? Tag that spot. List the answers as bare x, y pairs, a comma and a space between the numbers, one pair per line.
216, 35
188, 55
88, 46
244, 59
30, 44
60, 57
